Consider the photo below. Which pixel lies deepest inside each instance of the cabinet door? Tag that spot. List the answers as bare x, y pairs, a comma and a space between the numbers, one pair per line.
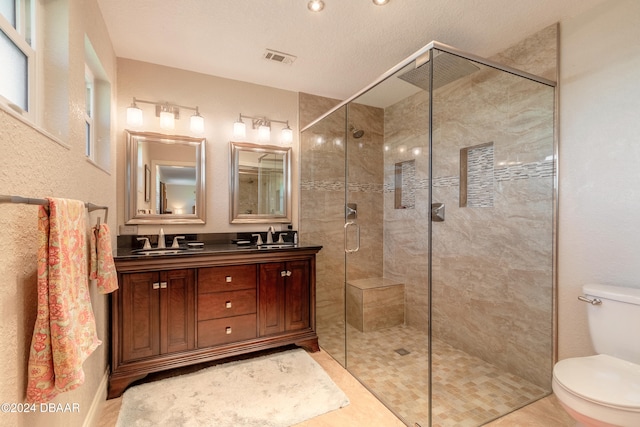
140, 327
177, 310
271, 298
284, 296
297, 288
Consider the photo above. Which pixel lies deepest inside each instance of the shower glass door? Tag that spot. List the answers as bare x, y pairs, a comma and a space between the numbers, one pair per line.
322, 219
387, 277
492, 256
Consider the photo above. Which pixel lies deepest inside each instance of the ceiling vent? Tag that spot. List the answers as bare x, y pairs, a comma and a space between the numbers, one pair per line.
274, 55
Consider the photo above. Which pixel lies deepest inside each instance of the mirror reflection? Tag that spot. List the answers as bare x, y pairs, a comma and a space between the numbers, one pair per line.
260, 183
165, 179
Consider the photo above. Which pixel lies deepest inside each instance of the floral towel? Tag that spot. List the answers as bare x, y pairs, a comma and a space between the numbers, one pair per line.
103, 269
64, 334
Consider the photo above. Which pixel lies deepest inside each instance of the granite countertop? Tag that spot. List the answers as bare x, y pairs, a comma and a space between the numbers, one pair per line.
210, 249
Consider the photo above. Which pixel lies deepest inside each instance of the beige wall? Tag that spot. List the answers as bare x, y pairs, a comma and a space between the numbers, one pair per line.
220, 101
599, 224
34, 163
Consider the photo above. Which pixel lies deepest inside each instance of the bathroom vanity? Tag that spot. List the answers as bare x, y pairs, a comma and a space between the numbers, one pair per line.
197, 306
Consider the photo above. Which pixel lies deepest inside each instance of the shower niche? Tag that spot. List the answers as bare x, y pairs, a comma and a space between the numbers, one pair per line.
448, 323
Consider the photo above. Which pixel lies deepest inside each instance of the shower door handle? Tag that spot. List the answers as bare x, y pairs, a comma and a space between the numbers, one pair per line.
346, 233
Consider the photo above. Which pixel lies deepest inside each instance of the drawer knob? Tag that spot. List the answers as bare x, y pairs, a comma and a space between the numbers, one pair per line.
227, 304
228, 279
228, 330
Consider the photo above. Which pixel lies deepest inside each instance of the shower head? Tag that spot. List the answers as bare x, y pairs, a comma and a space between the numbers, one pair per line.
357, 133
447, 69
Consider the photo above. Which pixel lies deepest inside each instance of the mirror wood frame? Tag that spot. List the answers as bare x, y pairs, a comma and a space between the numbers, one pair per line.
133, 139
235, 217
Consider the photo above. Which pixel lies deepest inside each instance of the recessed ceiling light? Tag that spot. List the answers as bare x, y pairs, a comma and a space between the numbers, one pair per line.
315, 5
380, 2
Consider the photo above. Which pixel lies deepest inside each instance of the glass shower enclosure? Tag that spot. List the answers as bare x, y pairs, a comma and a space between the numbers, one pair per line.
432, 192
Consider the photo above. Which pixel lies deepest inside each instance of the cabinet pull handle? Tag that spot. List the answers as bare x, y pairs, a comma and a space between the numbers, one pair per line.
228, 330
163, 285
156, 285
288, 273
283, 273
227, 304
228, 279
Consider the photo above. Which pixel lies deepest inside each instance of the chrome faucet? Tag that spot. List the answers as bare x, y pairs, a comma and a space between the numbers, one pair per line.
161, 243
270, 233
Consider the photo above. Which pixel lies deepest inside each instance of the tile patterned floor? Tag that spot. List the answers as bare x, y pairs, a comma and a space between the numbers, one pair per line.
467, 391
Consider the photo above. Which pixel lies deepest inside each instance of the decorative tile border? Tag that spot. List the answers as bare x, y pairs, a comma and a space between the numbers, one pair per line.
543, 169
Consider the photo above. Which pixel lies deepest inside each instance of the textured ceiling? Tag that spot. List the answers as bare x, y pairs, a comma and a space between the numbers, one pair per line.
339, 51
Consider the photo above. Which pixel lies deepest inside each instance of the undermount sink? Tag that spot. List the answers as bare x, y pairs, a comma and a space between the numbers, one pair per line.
275, 245
159, 251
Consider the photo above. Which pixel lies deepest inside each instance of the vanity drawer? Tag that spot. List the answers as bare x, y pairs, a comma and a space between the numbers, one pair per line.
228, 278
230, 329
226, 304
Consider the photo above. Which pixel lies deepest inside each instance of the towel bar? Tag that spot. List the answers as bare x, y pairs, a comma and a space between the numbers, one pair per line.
44, 202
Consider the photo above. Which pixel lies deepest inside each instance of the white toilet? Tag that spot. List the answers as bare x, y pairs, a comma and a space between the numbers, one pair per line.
604, 390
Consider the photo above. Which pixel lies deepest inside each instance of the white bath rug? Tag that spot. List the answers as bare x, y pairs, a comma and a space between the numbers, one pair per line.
276, 390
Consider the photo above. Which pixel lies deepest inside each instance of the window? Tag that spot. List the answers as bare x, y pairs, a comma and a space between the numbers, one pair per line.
17, 55
98, 109
89, 83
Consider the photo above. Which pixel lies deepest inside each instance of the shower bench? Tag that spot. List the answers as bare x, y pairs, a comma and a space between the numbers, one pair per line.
375, 303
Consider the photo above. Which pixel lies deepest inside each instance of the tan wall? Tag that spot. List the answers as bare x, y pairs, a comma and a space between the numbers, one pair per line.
220, 101
34, 164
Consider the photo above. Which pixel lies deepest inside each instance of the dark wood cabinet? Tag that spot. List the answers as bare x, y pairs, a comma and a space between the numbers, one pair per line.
284, 297
227, 304
172, 312
159, 305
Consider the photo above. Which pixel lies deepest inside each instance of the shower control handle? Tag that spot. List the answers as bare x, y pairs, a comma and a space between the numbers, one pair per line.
437, 212
346, 233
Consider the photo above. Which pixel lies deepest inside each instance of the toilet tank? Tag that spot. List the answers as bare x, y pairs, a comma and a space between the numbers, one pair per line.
615, 323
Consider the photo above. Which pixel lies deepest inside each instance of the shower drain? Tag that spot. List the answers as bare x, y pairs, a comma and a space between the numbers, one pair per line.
402, 351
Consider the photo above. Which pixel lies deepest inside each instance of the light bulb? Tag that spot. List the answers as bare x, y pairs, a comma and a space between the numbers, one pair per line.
287, 135
264, 132
239, 129
167, 119
134, 115
197, 123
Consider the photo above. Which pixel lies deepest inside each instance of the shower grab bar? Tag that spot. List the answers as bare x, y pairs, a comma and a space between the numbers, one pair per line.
592, 301
346, 232
44, 202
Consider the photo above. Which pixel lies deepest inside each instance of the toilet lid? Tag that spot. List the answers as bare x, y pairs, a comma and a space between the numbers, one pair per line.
603, 379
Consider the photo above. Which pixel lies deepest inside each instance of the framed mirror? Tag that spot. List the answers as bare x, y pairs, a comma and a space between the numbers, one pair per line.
260, 183
164, 179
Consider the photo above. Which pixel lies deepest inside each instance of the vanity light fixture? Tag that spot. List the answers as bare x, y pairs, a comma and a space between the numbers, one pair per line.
168, 114
380, 2
263, 125
315, 5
